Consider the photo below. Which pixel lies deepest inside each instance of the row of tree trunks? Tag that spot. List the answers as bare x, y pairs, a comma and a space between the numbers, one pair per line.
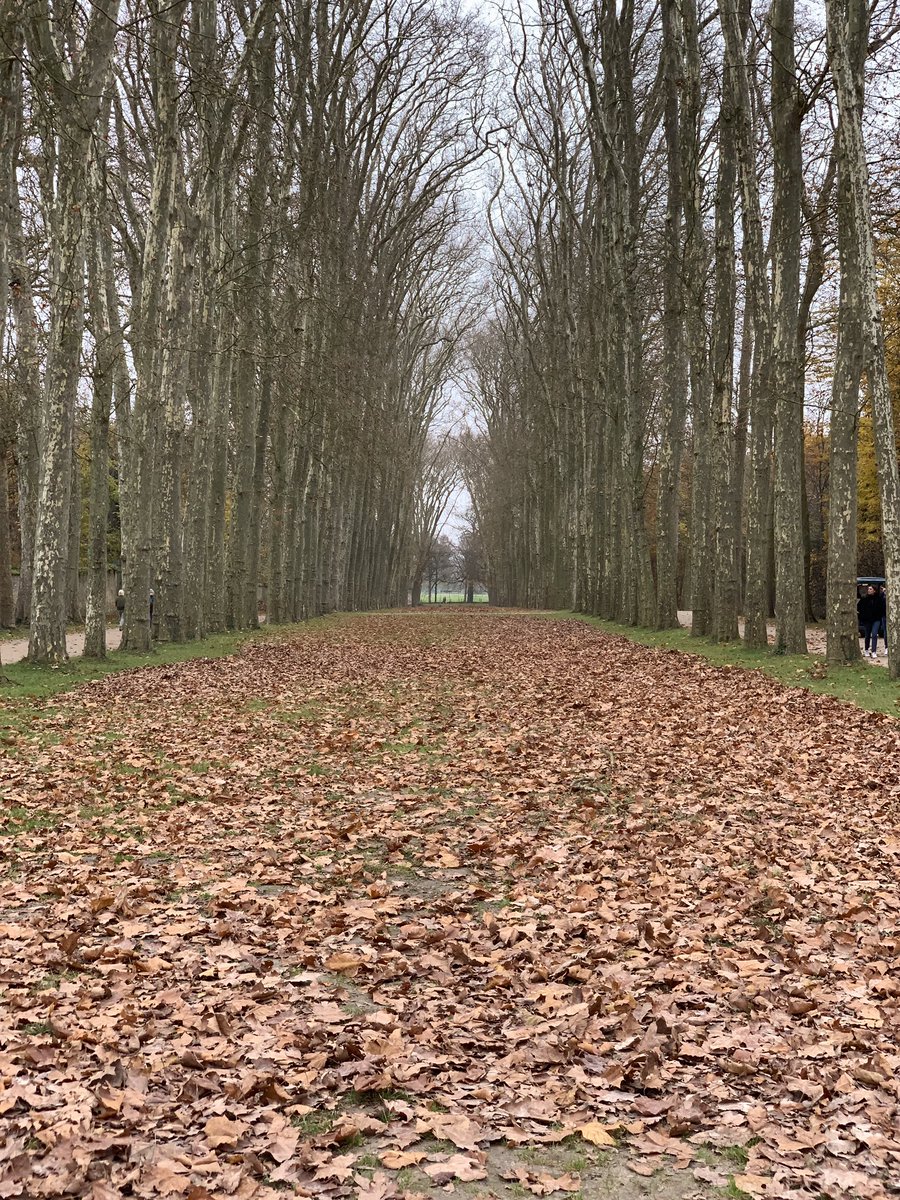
266, 280
617, 377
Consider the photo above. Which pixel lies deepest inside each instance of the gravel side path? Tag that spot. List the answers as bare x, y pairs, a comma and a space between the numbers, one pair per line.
17, 649
815, 639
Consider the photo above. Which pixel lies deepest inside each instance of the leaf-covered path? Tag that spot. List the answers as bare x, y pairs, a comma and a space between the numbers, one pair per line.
453, 900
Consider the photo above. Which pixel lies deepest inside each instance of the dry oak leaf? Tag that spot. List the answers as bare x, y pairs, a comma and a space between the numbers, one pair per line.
710, 1175
284, 1144
222, 1132
457, 1166
100, 1190
596, 1134
339, 1167
564, 1183
541, 1183
641, 1167
804, 1087
344, 962
379, 1187
396, 1160
854, 1183
756, 1185
460, 1130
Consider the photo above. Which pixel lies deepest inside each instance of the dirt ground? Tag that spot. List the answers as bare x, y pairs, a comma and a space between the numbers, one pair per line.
451, 903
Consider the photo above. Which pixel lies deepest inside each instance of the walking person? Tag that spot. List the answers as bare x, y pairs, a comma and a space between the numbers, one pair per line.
867, 609
120, 607
881, 606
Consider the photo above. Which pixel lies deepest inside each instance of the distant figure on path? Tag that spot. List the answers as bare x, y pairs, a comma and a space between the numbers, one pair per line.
868, 610
152, 601
120, 607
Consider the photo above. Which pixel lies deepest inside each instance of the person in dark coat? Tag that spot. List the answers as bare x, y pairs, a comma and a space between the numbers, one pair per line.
868, 608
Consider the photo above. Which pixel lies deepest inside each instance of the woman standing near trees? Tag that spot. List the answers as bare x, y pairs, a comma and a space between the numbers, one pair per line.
869, 613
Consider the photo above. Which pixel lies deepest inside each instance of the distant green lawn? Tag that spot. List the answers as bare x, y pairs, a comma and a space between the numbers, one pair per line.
455, 598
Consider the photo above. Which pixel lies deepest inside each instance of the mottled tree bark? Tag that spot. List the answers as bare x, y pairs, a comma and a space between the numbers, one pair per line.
756, 600
695, 268
47, 642
842, 633
77, 90
675, 383
10, 106
73, 550
860, 329
786, 238
7, 604
725, 603
103, 376
149, 311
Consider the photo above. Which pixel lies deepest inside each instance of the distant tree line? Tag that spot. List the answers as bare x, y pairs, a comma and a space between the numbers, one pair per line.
456, 567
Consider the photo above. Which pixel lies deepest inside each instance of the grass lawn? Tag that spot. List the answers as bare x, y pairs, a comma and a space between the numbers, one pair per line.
455, 598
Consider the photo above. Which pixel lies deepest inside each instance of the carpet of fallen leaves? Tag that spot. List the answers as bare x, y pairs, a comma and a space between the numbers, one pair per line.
449, 902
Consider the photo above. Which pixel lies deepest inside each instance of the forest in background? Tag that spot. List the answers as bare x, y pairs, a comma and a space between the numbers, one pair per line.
254, 252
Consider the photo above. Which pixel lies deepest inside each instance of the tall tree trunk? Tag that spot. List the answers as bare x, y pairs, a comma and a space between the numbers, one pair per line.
105, 351
47, 642
842, 628
7, 603
214, 600
167, 515
10, 106
149, 339
756, 601
700, 562
860, 328
790, 628
77, 95
725, 606
95, 606
73, 552
675, 384
745, 371
251, 587
28, 386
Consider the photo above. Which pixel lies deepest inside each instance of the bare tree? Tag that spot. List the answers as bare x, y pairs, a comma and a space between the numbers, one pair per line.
847, 26
72, 64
